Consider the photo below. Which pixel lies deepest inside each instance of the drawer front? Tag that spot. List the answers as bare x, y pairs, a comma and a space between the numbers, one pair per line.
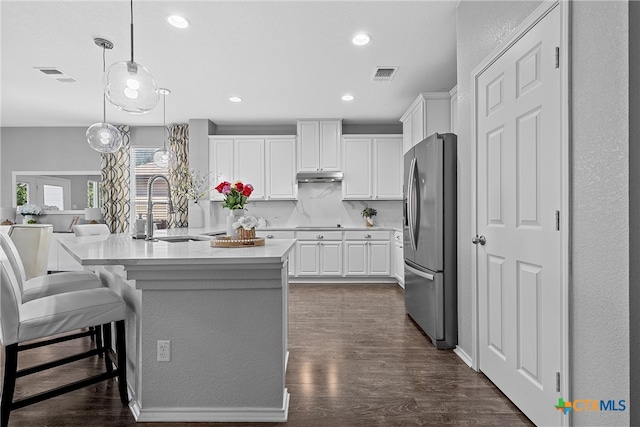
367, 235
319, 235
270, 234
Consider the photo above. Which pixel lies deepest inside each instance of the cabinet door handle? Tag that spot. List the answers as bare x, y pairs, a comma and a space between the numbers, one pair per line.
320, 236
269, 236
367, 236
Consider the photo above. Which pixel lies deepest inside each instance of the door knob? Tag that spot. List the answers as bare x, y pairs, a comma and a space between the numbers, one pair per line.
479, 239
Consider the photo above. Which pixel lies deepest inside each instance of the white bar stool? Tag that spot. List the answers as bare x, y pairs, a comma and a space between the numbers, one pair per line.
47, 316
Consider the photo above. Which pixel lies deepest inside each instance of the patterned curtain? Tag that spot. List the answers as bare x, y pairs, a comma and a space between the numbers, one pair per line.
179, 173
115, 185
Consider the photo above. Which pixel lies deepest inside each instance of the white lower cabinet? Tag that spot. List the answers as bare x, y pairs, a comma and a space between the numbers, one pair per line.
369, 255
398, 254
319, 258
280, 234
319, 253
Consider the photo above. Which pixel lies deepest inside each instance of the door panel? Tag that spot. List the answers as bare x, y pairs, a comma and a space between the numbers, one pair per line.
518, 193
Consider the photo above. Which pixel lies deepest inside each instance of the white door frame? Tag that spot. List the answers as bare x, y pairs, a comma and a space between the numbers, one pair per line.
565, 188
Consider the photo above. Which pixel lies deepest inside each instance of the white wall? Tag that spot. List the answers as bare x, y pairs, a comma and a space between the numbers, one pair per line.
599, 288
481, 28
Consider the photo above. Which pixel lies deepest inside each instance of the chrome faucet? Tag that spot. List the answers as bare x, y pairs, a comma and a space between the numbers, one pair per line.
150, 203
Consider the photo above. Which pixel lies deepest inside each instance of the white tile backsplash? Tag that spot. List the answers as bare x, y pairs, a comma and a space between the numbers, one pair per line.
318, 204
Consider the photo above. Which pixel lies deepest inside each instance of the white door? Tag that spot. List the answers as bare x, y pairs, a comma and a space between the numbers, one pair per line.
518, 193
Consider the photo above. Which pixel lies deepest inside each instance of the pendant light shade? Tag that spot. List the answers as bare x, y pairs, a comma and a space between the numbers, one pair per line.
163, 157
104, 137
129, 86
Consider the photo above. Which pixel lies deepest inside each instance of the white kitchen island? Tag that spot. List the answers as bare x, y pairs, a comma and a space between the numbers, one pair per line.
224, 311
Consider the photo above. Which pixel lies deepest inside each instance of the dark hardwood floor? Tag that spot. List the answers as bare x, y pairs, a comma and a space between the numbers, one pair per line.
356, 359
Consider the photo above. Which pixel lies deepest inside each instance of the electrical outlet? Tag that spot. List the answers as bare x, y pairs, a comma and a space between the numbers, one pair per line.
164, 351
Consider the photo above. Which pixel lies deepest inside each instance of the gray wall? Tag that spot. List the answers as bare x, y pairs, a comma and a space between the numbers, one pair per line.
634, 209
599, 288
481, 28
599, 298
44, 148
56, 149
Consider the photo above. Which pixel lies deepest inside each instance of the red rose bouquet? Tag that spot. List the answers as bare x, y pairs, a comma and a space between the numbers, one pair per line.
235, 195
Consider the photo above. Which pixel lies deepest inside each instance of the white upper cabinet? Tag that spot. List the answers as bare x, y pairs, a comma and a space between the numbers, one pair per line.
430, 113
387, 171
372, 166
357, 182
265, 162
280, 162
319, 145
249, 165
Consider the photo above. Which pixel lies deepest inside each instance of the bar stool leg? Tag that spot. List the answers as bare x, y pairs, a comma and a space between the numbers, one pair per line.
97, 333
121, 346
9, 384
106, 345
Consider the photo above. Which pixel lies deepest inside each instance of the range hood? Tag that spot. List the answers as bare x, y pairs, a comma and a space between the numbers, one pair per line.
319, 176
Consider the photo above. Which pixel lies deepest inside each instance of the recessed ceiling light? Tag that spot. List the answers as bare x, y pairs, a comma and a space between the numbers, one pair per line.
178, 21
235, 99
361, 39
347, 97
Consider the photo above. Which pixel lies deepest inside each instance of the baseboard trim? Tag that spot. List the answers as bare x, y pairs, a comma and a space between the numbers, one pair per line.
342, 280
238, 415
464, 356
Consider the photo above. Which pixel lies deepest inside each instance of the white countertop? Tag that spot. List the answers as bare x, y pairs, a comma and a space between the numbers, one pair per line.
121, 249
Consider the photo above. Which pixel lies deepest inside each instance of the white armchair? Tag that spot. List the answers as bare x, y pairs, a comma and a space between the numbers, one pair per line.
32, 242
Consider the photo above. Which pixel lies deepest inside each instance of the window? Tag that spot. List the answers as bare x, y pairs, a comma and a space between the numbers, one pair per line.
143, 168
94, 194
53, 195
22, 193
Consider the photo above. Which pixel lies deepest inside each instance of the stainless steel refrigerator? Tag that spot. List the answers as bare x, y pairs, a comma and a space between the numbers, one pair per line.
430, 220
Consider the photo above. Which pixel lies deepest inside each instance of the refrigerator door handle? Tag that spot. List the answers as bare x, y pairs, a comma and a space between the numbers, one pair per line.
418, 272
410, 201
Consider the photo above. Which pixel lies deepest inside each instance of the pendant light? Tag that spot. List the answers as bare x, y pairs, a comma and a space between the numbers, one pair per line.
129, 85
104, 137
163, 157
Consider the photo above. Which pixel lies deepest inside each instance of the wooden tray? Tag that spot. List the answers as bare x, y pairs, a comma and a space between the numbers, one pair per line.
227, 242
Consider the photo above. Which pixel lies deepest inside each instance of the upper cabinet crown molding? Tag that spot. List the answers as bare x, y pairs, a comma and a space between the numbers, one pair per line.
429, 113
319, 145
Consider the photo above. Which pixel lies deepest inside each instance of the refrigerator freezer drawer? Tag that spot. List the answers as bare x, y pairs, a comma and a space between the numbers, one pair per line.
424, 300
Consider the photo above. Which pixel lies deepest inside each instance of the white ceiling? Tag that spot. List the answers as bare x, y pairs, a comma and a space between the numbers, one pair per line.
286, 59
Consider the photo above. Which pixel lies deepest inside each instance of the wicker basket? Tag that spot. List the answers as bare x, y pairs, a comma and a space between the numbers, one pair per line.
246, 234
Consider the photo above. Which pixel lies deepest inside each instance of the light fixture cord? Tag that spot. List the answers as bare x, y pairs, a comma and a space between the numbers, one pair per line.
132, 31
164, 121
104, 96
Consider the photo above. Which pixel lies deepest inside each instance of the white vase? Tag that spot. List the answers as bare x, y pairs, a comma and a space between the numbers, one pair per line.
196, 215
27, 218
369, 221
233, 216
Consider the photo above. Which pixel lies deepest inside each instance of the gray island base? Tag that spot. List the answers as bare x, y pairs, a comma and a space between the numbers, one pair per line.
224, 312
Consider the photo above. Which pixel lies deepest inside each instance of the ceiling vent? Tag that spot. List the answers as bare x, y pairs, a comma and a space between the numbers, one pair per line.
56, 74
384, 74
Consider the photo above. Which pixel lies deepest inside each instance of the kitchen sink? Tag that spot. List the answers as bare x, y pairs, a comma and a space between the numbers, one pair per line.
179, 239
